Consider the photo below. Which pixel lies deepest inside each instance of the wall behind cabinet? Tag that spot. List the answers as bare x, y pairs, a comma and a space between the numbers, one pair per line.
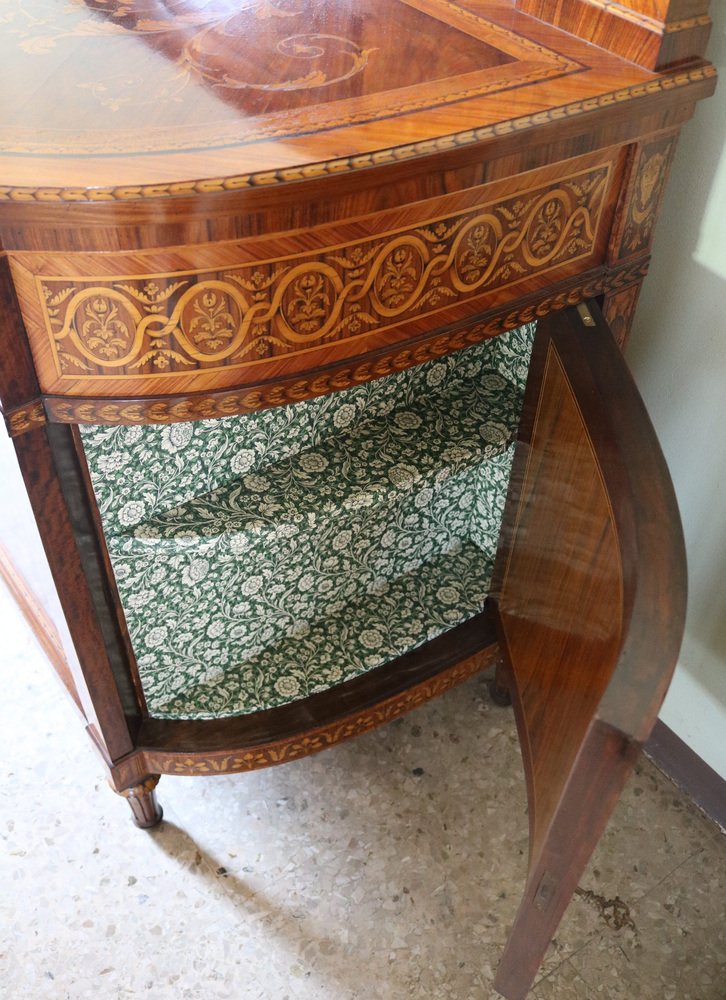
677, 353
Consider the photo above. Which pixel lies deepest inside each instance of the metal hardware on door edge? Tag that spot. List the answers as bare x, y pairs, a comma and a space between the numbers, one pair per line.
585, 315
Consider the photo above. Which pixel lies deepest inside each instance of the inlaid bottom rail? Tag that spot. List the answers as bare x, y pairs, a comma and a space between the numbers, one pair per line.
276, 736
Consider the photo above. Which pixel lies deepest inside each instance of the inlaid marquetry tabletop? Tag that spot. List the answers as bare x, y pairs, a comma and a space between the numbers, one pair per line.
138, 97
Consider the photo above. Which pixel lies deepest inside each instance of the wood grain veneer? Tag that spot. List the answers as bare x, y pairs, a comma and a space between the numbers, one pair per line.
590, 599
650, 34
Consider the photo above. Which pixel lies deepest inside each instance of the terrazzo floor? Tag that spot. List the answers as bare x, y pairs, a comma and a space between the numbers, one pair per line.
389, 867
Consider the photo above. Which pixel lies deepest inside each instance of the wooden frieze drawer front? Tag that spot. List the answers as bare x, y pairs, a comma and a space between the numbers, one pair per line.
316, 298
234, 313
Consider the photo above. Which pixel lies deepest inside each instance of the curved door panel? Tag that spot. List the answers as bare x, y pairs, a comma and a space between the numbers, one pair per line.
589, 594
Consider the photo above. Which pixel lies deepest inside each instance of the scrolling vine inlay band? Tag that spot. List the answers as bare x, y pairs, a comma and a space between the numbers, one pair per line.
293, 390
157, 324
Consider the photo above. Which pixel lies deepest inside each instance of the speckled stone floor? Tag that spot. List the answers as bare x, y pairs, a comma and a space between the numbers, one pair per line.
389, 867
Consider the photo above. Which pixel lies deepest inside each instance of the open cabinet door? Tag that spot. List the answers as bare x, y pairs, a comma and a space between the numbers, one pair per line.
589, 596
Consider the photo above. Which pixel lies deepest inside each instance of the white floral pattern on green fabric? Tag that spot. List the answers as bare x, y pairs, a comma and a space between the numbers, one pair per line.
262, 558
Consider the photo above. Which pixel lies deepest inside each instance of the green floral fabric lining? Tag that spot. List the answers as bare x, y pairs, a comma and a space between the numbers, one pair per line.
262, 558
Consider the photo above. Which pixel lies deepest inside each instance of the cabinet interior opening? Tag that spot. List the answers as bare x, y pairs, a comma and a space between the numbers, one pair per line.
260, 559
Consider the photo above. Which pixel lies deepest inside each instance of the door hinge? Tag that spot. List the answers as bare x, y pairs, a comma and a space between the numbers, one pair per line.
585, 315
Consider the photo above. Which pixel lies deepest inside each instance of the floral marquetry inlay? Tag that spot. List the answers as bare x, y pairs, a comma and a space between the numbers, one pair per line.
649, 178
168, 323
297, 746
148, 77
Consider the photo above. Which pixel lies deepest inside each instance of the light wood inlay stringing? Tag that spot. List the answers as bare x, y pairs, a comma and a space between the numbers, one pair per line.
119, 323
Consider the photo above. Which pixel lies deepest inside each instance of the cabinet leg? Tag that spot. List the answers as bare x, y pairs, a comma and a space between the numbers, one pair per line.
499, 687
142, 798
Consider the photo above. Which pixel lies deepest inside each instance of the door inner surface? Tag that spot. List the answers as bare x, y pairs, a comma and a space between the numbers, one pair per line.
589, 597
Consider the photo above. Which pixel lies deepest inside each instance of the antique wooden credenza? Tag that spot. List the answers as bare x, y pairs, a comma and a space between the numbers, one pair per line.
208, 210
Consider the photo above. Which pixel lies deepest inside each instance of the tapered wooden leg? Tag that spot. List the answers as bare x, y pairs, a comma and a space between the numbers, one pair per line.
142, 798
499, 686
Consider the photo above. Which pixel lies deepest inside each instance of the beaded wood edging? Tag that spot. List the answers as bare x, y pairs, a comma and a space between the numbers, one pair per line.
287, 175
